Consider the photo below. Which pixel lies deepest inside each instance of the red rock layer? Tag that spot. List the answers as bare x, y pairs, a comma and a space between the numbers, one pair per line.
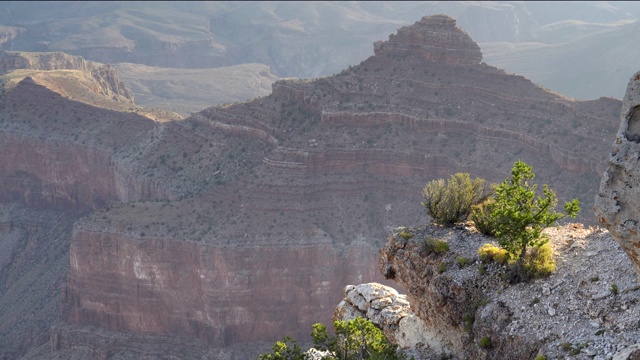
221, 295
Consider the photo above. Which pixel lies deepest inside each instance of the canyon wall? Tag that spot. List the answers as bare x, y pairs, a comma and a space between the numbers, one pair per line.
54, 173
221, 295
243, 223
302, 185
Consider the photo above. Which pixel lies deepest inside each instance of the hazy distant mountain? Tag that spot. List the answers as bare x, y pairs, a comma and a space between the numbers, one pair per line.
589, 67
310, 39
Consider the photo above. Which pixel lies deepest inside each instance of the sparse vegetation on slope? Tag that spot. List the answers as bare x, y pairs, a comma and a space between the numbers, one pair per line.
516, 215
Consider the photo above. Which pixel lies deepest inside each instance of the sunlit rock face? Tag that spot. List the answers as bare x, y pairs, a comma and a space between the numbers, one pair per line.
616, 204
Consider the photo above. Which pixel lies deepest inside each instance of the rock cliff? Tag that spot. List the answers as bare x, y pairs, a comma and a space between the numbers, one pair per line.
434, 38
214, 226
586, 308
108, 82
616, 203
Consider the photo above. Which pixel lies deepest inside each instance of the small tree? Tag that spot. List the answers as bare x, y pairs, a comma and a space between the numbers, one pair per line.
519, 216
356, 339
448, 202
287, 349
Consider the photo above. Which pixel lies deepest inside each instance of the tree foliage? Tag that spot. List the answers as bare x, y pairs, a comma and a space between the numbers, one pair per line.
287, 349
450, 201
481, 217
519, 216
356, 339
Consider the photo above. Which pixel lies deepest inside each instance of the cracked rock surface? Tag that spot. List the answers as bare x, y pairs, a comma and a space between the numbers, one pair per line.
587, 309
616, 204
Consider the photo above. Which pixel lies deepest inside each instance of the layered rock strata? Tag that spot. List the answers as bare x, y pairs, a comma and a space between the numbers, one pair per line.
106, 77
616, 204
434, 38
215, 226
214, 293
317, 167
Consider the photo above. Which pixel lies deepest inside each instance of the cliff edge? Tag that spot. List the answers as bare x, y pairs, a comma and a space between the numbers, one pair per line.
588, 306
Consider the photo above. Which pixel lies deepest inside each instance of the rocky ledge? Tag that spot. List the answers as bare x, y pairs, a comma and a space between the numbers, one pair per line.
105, 79
588, 308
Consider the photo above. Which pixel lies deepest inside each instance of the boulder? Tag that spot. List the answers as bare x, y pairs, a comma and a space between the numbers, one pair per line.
616, 203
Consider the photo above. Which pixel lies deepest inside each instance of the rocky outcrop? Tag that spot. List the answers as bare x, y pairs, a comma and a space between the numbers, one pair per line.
586, 307
13, 60
388, 310
106, 76
434, 38
616, 203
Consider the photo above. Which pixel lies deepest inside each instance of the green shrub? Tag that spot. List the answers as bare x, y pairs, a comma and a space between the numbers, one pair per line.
490, 252
287, 349
541, 357
462, 261
481, 217
450, 201
442, 267
486, 343
539, 261
614, 289
406, 235
436, 246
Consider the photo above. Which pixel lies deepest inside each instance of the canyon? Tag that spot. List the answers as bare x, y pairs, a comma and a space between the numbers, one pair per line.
243, 223
579, 49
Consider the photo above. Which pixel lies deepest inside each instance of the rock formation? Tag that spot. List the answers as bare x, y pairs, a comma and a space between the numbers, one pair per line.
107, 81
586, 307
215, 226
617, 202
434, 38
388, 310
